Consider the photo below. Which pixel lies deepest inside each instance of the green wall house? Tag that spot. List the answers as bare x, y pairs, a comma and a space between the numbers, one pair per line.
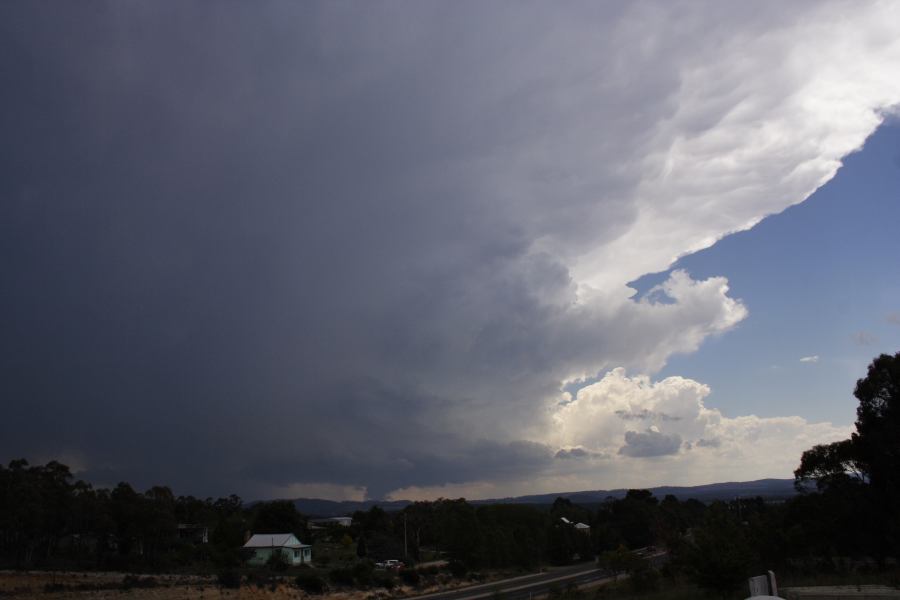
264, 545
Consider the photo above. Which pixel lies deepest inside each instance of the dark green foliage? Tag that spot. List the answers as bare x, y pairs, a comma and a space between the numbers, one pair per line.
512, 535
384, 580
363, 573
620, 560
277, 562
458, 529
636, 516
570, 592
229, 578
865, 468
458, 568
720, 558
829, 464
877, 437
279, 516
643, 578
561, 544
374, 519
46, 519
310, 582
410, 577
563, 507
261, 579
872, 454
341, 576
638, 521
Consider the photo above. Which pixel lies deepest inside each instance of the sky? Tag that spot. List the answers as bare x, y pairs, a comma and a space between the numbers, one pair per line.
412, 250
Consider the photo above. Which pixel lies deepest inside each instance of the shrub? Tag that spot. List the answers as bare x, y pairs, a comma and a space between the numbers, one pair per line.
341, 576
310, 582
644, 578
362, 573
410, 577
277, 562
230, 578
458, 568
385, 580
261, 579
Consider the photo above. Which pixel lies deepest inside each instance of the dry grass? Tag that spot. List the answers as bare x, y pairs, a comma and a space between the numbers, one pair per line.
83, 586
59, 585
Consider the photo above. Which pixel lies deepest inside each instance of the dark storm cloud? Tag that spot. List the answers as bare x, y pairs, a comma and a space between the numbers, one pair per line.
709, 443
244, 246
650, 443
577, 453
232, 234
572, 453
430, 464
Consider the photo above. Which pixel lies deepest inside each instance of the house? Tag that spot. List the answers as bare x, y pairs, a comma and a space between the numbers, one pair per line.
582, 527
265, 545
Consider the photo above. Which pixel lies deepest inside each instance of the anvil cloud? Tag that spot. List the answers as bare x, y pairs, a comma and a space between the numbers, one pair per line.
359, 248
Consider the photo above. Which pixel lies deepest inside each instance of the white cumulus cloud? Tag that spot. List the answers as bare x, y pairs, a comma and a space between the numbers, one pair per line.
681, 439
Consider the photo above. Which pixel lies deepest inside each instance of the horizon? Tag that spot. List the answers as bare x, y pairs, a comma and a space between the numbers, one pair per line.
559, 493
76, 476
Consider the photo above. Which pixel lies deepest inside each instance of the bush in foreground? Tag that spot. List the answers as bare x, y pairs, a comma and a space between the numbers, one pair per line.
310, 582
230, 578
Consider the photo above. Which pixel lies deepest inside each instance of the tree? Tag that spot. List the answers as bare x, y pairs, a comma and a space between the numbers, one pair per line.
278, 516
877, 438
870, 460
720, 558
872, 454
829, 465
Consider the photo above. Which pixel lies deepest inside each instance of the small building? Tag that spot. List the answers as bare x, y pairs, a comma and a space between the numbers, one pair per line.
584, 528
265, 545
341, 521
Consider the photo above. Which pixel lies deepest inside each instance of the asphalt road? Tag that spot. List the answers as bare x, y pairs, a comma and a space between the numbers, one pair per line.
526, 586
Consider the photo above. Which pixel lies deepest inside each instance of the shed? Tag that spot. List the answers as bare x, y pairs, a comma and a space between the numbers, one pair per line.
265, 545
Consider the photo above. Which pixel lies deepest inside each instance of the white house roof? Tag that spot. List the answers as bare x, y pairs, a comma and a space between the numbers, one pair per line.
565, 520
276, 540
582, 526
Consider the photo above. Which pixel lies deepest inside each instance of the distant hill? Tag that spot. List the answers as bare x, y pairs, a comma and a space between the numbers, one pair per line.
769, 489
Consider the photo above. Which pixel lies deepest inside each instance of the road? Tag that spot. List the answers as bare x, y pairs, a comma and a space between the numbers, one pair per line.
526, 586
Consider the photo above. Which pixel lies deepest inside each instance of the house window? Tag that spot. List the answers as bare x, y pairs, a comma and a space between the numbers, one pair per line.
296, 554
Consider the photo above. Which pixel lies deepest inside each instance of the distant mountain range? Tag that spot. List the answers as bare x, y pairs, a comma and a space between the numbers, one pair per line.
769, 489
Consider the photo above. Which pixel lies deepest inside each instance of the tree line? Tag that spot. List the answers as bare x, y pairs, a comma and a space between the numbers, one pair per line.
845, 514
